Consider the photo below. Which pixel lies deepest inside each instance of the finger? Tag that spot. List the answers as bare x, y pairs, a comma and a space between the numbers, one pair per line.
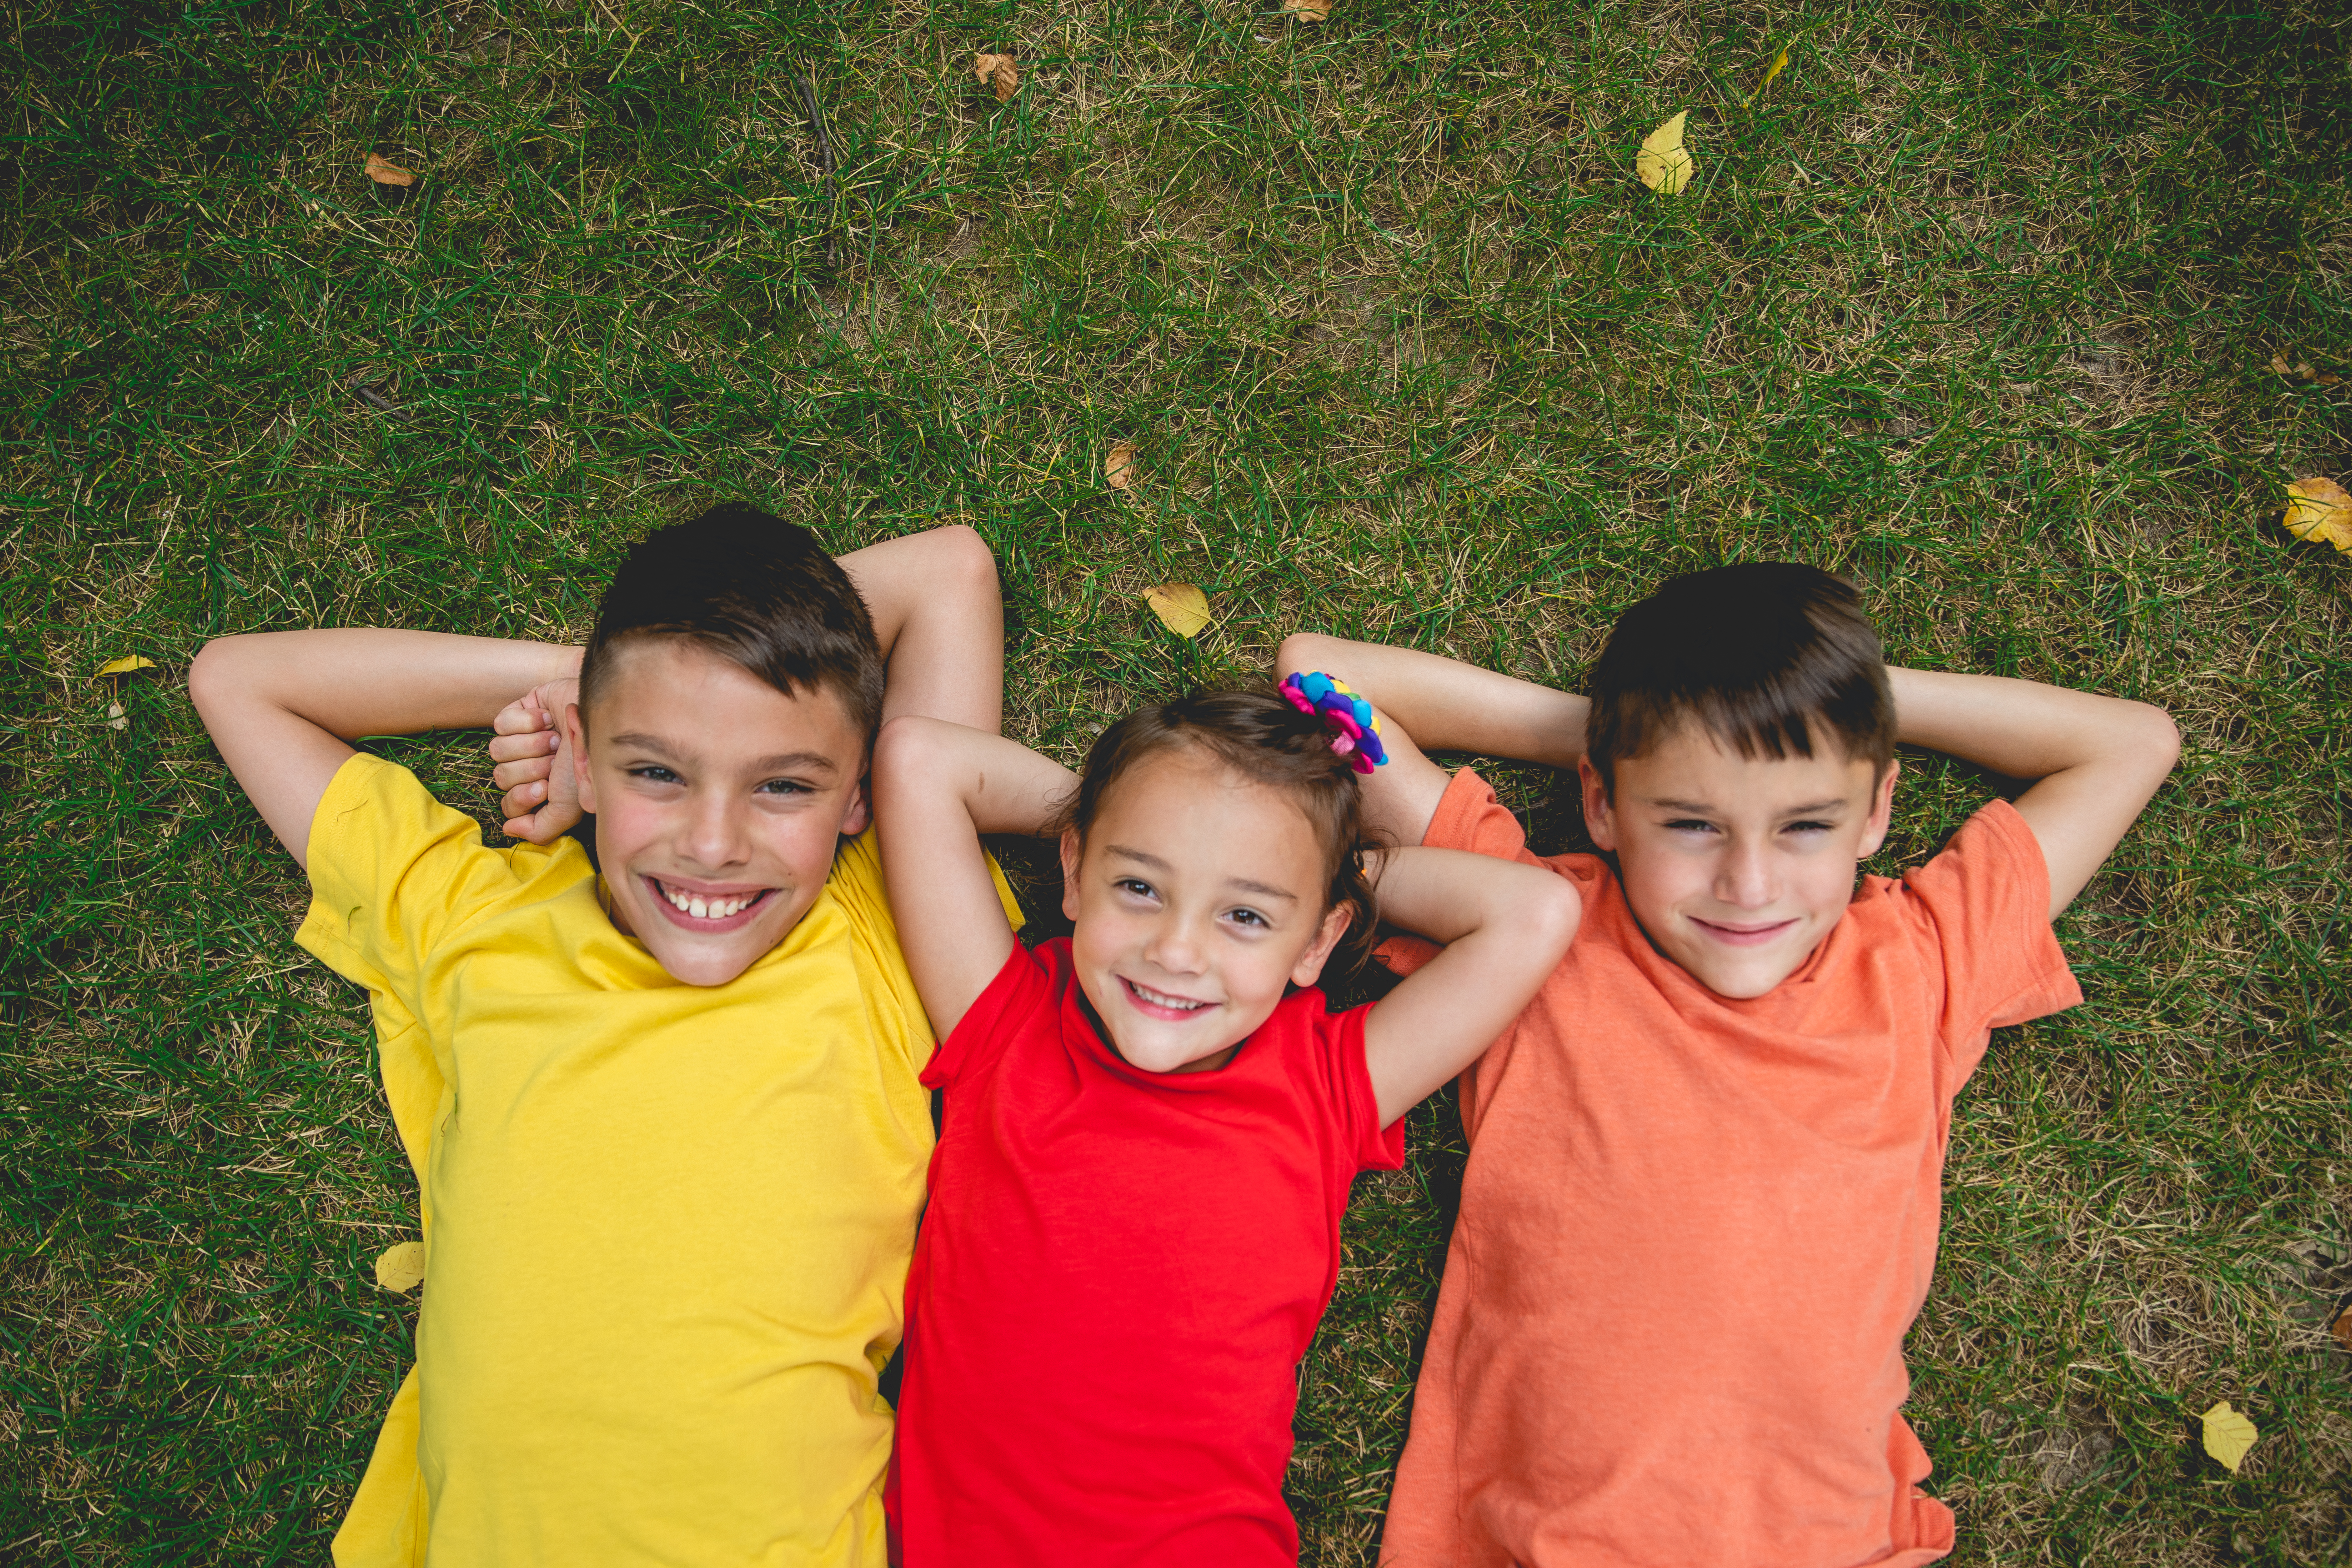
524, 799
523, 752
539, 744
532, 770
520, 717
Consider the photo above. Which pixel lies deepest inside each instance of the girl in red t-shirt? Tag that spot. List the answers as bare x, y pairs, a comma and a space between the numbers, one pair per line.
1152, 1126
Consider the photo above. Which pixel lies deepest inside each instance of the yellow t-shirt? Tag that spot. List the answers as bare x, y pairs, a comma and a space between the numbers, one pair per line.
668, 1227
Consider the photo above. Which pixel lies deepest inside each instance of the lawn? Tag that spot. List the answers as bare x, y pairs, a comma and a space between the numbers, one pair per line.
1976, 304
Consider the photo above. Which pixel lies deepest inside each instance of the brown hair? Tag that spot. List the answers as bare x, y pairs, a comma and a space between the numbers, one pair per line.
754, 590
1757, 654
1257, 733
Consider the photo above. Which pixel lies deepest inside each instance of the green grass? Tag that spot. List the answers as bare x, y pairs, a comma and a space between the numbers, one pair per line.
1975, 303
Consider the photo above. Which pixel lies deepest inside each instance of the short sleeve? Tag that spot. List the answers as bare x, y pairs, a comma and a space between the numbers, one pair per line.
1371, 1146
393, 873
858, 889
1986, 905
1469, 818
1022, 989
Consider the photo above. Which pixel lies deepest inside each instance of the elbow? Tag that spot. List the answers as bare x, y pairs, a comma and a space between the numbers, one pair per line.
2155, 736
902, 748
963, 560
1550, 921
212, 674
1303, 651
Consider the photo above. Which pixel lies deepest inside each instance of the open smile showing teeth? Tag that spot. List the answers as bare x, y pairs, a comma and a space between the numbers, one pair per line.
1160, 999
702, 907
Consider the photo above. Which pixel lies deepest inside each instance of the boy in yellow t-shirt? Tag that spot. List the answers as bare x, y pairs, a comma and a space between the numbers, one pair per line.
665, 1121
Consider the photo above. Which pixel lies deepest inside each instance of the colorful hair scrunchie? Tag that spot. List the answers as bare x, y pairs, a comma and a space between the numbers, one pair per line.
1354, 732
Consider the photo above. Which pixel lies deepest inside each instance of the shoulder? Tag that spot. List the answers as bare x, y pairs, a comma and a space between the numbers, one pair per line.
378, 828
1992, 864
1025, 997
857, 883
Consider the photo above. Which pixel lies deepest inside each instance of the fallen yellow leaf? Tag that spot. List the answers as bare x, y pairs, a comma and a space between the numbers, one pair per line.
2301, 371
2228, 1434
385, 172
402, 1267
2318, 509
1661, 162
1307, 10
123, 666
1181, 607
1119, 467
1780, 63
999, 72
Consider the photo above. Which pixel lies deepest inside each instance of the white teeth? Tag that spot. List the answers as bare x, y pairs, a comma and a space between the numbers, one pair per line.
702, 908
1157, 1000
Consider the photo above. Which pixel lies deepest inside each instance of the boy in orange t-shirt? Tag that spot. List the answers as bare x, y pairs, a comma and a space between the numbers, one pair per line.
1701, 1204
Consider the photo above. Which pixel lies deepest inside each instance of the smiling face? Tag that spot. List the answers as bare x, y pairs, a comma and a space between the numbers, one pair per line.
1737, 867
1199, 897
719, 801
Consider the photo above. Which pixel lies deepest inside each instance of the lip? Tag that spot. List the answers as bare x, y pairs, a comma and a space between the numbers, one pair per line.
1738, 936
705, 927
1150, 1009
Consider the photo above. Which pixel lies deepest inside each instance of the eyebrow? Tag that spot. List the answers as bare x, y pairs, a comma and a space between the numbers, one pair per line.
1810, 808
781, 762
1157, 864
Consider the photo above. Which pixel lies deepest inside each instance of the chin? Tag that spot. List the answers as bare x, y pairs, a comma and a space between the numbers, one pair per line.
705, 969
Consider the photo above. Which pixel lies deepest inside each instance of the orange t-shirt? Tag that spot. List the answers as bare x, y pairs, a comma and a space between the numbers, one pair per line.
1694, 1230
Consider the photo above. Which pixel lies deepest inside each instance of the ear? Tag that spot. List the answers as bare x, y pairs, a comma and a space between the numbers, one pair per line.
860, 811
1309, 967
1599, 817
576, 734
1070, 857
1882, 811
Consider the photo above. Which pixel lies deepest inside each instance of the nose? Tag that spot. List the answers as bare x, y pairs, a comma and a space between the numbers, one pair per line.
714, 831
1174, 946
1744, 878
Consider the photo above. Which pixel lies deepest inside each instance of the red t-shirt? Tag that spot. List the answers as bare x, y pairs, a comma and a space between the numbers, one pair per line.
1114, 1282
1695, 1229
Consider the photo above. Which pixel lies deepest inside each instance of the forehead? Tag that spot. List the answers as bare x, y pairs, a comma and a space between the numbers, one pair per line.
675, 689
1691, 764
1191, 810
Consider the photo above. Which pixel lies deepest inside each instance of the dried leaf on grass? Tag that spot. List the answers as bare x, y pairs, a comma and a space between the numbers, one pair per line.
1780, 63
385, 172
2301, 371
1181, 607
1661, 162
1307, 10
123, 666
2342, 1328
2228, 1434
997, 72
2319, 508
116, 719
402, 1267
1119, 467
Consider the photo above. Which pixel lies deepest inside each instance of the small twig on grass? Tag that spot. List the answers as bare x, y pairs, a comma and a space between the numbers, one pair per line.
825, 166
377, 401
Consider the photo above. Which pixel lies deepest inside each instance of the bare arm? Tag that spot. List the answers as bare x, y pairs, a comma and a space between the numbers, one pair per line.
1504, 925
1428, 703
283, 706
940, 619
936, 788
937, 615
2098, 759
